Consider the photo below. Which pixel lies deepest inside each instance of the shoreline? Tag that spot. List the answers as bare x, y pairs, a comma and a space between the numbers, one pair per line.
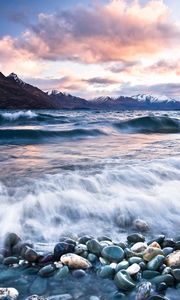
133, 269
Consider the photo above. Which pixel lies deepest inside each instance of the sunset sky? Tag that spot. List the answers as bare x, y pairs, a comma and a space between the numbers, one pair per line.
93, 48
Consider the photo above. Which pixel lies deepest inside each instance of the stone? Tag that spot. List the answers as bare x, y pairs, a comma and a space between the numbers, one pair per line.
47, 271
62, 273
151, 252
155, 245
168, 279
61, 297
84, 239
144, 291
124, 281
159, 239
35, 297
113, 253
147, 274
62, 248
122, 265
75, 261
133, 269
141, 225
106, 272
177, 245
10, 260
104, 238
176, 274
11, 239
173, 259
39, 286
31, 255
11, 293
135, 260
167, 270
155, 263
129, 253
168, 243
168, 250
161, 287
135, 238
78, 273
46, 259
94, 246
139, 247
80, 248
92, 257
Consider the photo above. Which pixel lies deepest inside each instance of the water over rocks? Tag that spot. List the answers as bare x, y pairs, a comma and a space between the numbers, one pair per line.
138, 270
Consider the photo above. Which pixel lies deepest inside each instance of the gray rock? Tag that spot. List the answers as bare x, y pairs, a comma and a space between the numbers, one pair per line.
144, 291
94, 246
124, 281
135, 238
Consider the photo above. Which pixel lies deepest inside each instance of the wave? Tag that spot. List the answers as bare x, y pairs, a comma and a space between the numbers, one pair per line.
150, 124
17, 135
99, 203
30, 117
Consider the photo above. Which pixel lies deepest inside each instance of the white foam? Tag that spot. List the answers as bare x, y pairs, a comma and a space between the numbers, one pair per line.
19, 114
76, 202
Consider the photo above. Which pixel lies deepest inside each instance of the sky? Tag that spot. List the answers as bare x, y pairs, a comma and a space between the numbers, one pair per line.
93, 48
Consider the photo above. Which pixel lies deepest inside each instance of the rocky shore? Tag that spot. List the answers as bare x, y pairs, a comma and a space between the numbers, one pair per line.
93, 269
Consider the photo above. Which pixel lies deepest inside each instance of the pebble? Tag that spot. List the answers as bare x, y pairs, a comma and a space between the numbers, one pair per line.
47, 270
12, 293
135, 238
141, 225
176, 274
122, 265
75, 261
62, 273
124, 281
151, 252
173, 259
113, 253
78, 273
10, 260
106, 272
139, 247
30, 255
133, 269
62, 248
144, 291
155, 263
94, 246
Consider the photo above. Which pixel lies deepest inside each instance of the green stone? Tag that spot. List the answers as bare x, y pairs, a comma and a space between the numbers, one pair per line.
106, 272
135, 260
94, 246
62, 273
122, 265
155, 263
124, 281
113, 253
92, 257
47, 271
176, 274
135, 238
168, 279
39, 286
147, 274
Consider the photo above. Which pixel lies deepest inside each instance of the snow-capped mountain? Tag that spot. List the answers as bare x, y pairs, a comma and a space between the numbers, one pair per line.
17, 79
153, 98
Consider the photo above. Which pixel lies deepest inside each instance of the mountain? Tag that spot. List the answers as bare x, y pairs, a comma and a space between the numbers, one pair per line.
138, 102
17, 94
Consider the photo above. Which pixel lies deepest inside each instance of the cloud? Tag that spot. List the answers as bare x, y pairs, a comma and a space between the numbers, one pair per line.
101, 81
123, 66
164, 66
17, 60
115, 31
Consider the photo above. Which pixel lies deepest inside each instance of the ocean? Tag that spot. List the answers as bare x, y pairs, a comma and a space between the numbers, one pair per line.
88, 172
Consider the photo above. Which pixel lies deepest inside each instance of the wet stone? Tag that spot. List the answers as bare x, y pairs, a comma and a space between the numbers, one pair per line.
11, 293
139, 247
62, 273
151, 252
46, 271
122, 265
173, 260
10, 260
168, 279
62, 248
168, 250
94, 246
135, 238
31, 255
143, 291
106, 272
39, 286
155, 263
75, 262
176, 274
113, 253
78, 273
124, 281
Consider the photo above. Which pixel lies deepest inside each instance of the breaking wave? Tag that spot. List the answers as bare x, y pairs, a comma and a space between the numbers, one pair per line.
150, 124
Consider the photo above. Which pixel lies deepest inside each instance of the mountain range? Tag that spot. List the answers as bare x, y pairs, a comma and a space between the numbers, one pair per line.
16, 94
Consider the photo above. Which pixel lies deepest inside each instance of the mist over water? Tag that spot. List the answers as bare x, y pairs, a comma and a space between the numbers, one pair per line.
88, 172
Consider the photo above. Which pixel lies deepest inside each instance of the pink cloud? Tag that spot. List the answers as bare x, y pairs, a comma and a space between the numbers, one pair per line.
103, 33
